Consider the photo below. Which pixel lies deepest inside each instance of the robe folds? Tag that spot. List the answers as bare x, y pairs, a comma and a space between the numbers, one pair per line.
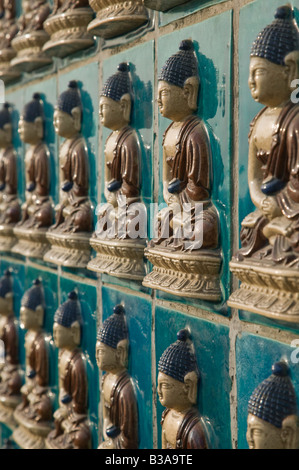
75, 382
123, 411
190, 434
8, 171
282, 163
38, 170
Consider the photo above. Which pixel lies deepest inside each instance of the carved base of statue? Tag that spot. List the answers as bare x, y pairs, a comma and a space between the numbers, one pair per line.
7, 415
120, 258
69, 250
195, 274
117, 18
7, 73
163, 5
68, 32
31, 242
27, 439
29, 51
7, 238
9, 400
267, 289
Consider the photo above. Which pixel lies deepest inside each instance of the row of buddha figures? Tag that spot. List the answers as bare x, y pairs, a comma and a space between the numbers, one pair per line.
30, 41
26, 400
186, 251
187, 264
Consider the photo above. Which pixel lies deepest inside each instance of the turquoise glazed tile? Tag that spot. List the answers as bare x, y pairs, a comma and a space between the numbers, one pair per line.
211, 343
255, 357
88, 300
253, 18
186, 9
87, 76
138, 315
261, 320
214, 58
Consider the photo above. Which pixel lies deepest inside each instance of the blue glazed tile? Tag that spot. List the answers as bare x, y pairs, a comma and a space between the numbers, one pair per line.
186, 9
255, 357
138, 315
211, 343
87, 76
214, 58
88, 300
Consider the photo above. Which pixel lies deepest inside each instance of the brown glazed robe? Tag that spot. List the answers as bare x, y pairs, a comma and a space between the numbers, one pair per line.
123, 411
190, 433
191, 165
75, 385
10, 208
10, 338
38, 172
75, 170
282, 162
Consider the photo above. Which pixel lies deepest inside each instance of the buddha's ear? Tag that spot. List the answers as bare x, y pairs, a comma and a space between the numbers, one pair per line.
191, 88
122, 352
76, 113
190, 381
290, 432
292, 65
8, 129
39, 125
126, 104
76, 332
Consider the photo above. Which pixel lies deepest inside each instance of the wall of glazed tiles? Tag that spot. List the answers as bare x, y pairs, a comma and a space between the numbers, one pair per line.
102, 328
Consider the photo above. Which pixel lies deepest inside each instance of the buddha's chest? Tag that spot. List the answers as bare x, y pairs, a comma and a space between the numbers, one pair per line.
170, 141
264, 129
171, 426
29, 343
64, 361
110, 148
3, 321
108, 386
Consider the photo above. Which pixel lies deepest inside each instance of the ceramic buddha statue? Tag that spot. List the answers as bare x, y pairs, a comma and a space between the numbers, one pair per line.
185, 251
120, 414
34, 414
119, 251
269, 256
273, 421
69, 236
163, 5
10, 370
8, 30
10, 209
37, 210
115, 17
67, 27
71, 420
177, 389
31, 37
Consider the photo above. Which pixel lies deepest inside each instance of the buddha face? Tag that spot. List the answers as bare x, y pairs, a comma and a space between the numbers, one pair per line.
31, 319
6, 305
26, 6
65, 124
5, 135
107, 357
268, 82
63, 336
263, 435
30, 132
114, 114
173, 101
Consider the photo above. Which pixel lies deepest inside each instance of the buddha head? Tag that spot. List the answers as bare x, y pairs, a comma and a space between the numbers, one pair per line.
274, 60
5, 126
31, 124
113, 342
178, 374
33, 307
26, 6
6, 294
68, 323
179, 84
272, 412
116, 99
68, 112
